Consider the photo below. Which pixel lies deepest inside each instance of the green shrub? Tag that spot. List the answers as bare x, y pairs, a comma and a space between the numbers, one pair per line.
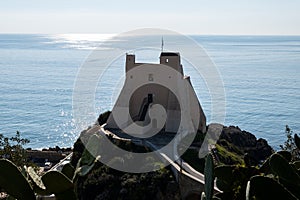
13, 150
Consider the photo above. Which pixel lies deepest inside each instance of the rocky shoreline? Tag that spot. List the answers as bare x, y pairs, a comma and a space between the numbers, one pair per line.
47, 157
232, 138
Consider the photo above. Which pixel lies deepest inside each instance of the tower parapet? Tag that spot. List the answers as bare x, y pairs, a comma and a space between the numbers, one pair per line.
130, 62
171, 59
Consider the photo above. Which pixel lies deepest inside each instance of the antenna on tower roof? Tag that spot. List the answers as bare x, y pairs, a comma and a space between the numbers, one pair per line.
162, 44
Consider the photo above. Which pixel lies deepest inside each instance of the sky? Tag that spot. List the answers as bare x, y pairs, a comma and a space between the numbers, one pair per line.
207, 17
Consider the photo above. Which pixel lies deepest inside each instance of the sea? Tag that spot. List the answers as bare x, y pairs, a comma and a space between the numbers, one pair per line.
38, 73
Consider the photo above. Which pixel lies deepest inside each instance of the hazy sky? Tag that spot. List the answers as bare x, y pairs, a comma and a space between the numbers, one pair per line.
266, 17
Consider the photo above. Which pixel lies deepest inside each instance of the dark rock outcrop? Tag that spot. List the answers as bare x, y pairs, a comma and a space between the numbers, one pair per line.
102, 119
242, 142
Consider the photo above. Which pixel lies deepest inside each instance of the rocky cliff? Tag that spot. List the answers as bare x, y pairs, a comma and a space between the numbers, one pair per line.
244, 144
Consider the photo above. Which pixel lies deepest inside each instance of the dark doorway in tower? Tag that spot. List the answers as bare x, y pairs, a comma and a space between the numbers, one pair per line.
145, 105
150, 98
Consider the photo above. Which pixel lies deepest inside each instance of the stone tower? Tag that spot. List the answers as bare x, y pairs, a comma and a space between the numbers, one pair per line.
135, 107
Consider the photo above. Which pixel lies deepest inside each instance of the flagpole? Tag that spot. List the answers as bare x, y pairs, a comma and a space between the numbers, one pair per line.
162, 44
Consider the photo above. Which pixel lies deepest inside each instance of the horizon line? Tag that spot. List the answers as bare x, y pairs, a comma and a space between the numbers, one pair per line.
112, 34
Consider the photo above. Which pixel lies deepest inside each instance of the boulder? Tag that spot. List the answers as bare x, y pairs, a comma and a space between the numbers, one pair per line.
246, 143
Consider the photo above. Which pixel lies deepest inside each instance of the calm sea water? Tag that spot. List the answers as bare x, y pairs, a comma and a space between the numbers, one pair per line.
261, 75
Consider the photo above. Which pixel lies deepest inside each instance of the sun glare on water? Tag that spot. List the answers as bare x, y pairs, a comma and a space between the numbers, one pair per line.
79, 41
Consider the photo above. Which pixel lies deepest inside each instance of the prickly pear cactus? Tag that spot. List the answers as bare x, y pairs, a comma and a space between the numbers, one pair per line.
13, 182
209, 177
68, 170
87, 160
38, 185
265, 167
224, 176
262, 187
283, 169
59, 185
203, 196
286, 154
248, 195
56, 182
287, 174
91, 151
83, 170
297, 165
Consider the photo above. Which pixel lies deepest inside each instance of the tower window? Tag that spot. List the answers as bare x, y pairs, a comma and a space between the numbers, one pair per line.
167, 60
150, 77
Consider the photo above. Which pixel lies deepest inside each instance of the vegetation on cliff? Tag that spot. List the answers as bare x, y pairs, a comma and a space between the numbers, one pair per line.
103, 182
12, 148
277, 177
290, 144
234, 147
